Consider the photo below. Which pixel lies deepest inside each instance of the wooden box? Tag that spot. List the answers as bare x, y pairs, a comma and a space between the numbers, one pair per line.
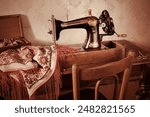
11, 28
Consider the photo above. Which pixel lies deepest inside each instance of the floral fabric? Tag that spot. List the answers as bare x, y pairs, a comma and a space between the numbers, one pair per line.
39, 54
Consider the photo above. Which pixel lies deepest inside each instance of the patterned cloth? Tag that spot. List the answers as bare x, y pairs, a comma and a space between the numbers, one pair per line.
45, 79
44, 56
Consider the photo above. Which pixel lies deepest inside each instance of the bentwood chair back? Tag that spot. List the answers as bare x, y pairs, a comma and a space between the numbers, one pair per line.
100, 73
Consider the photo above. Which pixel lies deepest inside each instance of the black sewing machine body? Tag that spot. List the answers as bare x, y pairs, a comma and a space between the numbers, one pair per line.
91, 24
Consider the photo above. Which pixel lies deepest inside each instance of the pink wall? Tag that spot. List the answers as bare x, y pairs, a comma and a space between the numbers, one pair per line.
130, 17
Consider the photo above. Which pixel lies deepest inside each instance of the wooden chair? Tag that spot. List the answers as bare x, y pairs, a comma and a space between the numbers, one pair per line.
100, 74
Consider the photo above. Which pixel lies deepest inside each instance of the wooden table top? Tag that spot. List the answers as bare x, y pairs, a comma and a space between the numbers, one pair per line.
141, 56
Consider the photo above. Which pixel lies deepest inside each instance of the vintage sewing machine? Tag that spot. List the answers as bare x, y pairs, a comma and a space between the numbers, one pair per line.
91, 24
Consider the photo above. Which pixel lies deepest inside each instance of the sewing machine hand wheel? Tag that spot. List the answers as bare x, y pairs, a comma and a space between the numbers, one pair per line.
107, 23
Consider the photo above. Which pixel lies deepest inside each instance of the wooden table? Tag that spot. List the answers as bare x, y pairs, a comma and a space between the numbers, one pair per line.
141, 56
110, 51
142, 60
116, 50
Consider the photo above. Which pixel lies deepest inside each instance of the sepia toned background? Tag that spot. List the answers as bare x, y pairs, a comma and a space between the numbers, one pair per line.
130, 17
